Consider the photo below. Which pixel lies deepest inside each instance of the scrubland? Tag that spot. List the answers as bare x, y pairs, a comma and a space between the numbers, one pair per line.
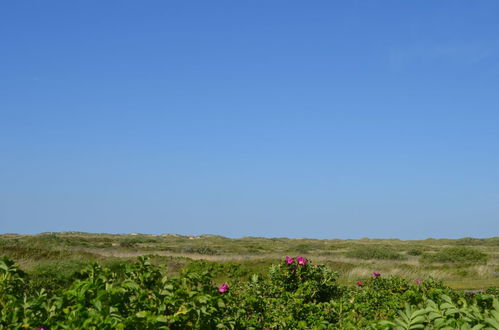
466, 263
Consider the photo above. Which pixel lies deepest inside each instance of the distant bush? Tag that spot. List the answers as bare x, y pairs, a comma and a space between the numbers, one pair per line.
255, 248
494, 241
456, 255
133, 241
34, 252
307, 247
470, 241
338, 246
374, 252
415, 252
206, 250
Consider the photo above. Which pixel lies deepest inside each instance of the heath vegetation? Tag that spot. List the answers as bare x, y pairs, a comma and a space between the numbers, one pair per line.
467, 263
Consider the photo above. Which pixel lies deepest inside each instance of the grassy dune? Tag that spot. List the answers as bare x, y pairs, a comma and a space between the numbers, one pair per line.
466, 263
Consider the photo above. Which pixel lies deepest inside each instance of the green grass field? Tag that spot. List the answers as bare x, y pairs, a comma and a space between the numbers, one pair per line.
466, 263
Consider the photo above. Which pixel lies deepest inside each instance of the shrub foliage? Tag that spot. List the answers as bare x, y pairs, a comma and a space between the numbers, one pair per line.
294, 294
456, 255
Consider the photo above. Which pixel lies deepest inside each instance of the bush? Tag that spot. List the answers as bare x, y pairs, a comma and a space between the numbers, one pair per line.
374, 252
134, 241
294, 294
53, 276
456, 255
415, 252
206, 250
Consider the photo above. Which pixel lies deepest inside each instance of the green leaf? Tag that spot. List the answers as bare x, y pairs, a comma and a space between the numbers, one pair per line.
182, 310
141, 314
161, 319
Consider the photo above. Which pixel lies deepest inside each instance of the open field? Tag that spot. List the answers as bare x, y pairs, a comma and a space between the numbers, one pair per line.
466, 263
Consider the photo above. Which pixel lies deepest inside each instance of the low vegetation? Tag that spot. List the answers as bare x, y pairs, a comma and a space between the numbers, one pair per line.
293, 293
52, 258
456, 255
374, 252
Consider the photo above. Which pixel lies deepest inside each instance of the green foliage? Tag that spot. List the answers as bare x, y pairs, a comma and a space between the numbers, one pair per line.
291, 295
415, 252
134, 241
374, 252
493, 291
252, 253
53, 276
408, 319
450, 314
456, 255
206, 250
494, 241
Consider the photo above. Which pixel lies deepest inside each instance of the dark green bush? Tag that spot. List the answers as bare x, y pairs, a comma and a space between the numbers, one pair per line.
206, 250
415, 252
464, 255
130, 242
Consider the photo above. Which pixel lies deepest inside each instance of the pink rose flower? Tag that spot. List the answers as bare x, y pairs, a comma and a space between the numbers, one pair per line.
376, 274
301, 261
418, 282
223, 288
360, 283
289, 260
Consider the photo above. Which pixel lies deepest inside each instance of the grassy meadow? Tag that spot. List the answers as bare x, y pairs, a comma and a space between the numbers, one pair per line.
52, 258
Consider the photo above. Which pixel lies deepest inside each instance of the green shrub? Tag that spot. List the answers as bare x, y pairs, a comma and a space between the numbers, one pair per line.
415, 252
464, 255
133, 241
53, 276
307, 247
294, 294
206, 250
493, 291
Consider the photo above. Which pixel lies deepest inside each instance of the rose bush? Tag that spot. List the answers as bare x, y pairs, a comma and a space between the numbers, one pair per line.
295, 294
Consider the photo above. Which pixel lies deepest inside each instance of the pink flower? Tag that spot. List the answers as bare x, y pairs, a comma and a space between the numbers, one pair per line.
376, 274
360, 283
289, 260
418, 282
223, 288
301, 261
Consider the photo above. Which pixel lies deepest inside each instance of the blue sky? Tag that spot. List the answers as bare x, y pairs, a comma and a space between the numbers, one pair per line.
321, 119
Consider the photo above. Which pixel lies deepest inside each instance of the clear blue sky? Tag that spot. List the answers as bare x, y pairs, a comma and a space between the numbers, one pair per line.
273, 118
